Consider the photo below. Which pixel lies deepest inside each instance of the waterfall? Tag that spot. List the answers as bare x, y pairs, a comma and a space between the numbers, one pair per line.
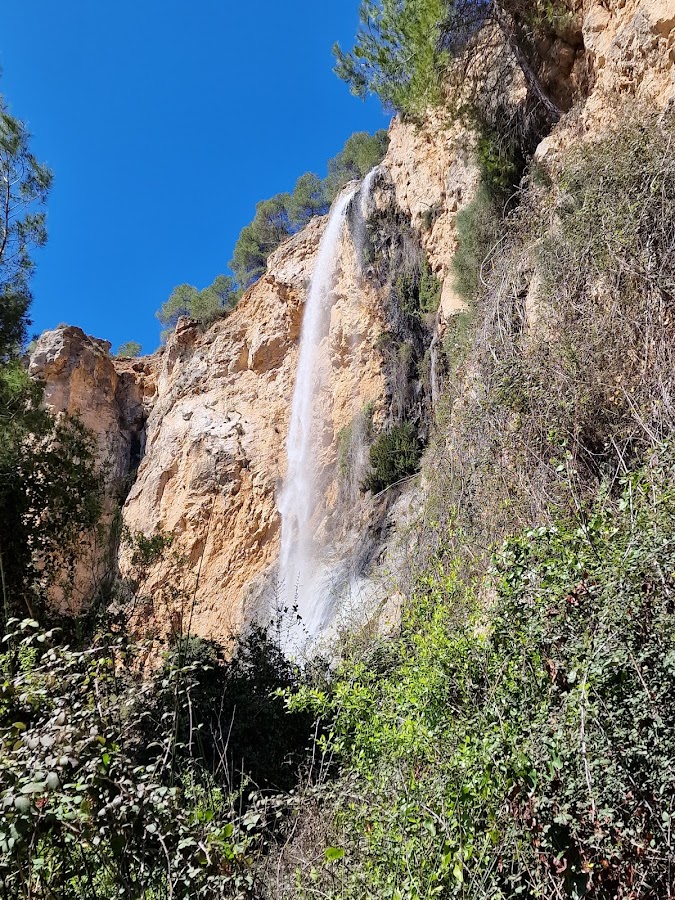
362, 218
298, 571
304, 579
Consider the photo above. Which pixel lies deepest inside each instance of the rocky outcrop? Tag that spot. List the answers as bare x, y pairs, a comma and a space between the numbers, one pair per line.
433, 170
629, 48
112, 398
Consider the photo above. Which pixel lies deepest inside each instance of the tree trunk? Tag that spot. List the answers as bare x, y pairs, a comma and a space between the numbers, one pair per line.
510, 31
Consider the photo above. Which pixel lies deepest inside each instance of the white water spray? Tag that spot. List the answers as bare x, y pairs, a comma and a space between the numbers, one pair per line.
364, 210
305, 579
298, 571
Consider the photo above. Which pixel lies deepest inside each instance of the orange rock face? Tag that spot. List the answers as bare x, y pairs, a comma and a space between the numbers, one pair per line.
215, 450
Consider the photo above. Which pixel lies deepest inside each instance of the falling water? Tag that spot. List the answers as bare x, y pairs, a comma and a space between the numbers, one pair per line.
306, 582
298, 572
364, 209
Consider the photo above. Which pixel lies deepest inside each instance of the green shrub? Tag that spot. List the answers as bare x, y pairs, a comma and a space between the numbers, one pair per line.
395, 454
530, 754
225, 706
113, 788
51, 492
498, 161
418, 292
479, 227
129, 350
207, 305
81, 816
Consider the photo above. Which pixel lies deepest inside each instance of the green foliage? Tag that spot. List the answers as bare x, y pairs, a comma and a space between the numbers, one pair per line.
88, 809
418, 291
270, 226
129, 350
26, 183
395, 454
398, 53
499, 163
531, 754
147, 549
207, 305
226, 705
361, 153
285, 214
62, 490
478, 229
308, 199
50, 497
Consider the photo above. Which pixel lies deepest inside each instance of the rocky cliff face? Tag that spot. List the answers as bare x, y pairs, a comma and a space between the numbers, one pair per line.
215, 451
112, 398
209, 413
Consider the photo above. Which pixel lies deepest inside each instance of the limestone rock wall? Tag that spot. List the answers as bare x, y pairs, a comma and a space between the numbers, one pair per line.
434, 175
112, 398
215, 449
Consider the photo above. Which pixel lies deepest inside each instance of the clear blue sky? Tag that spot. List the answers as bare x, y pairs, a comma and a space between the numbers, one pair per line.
164, 122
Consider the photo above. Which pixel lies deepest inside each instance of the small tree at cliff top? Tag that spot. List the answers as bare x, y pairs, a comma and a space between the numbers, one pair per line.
206, 305
404, 49
361, 153
129, 349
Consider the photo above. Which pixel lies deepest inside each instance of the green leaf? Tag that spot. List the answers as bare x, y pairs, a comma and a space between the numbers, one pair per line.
334, 853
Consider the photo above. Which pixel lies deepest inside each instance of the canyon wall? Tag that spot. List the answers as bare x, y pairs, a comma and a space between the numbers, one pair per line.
207, 415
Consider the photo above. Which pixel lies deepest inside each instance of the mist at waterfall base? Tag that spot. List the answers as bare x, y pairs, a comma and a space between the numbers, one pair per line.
308, 584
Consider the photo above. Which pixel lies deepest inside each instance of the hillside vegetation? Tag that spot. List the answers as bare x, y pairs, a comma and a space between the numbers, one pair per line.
515, 737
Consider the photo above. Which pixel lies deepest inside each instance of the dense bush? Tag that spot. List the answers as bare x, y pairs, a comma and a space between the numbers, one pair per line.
129, 350
206, 305
570, 367
531, 756
418, 291
395, 454
113, 788
229, 714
